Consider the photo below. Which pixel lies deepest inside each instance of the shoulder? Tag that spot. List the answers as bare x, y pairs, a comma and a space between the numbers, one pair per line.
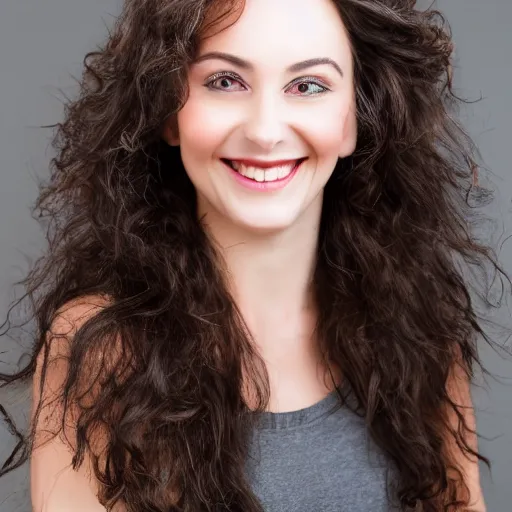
51, 366
66, 322
55, 485
72, 315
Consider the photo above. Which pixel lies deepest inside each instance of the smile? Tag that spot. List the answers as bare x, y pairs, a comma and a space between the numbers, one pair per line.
261, 171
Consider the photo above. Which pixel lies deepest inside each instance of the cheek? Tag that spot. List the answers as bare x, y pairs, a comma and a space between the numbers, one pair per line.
332, 132
198, 127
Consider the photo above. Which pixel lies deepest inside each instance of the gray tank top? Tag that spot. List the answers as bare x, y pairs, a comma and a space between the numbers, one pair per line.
319, 459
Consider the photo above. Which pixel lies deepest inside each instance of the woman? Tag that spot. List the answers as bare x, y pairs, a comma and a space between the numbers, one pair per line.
255, 216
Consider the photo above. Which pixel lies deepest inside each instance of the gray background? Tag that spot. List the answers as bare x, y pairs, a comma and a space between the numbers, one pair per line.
42, 43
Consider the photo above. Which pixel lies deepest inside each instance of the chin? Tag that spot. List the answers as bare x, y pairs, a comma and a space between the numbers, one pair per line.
265, 225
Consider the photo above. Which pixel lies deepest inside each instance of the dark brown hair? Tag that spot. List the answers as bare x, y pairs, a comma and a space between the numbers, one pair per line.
395, 311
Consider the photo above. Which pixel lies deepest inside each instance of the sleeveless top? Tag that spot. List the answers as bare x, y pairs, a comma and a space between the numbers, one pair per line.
319, 459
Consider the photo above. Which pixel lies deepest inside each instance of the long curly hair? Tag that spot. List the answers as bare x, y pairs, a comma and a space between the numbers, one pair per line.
160, 367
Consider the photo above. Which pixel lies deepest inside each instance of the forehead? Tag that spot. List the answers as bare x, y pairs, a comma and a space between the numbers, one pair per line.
269, 32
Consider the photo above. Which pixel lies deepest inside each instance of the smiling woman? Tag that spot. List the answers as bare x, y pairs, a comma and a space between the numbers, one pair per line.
250, 300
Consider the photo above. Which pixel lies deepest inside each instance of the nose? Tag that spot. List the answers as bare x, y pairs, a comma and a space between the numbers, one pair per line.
264, 125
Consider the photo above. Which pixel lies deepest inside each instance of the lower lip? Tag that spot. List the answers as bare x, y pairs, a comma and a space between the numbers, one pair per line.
264, 186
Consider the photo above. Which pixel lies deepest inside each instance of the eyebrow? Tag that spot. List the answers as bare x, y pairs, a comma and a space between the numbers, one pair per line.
294, 68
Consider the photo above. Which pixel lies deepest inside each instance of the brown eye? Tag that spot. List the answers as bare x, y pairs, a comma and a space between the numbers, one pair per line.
224, 82
308, 88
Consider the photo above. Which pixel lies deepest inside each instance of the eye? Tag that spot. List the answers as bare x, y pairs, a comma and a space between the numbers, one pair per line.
224, 82
230, 82
308, 87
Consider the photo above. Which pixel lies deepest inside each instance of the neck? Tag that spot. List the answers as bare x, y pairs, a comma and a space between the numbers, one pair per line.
271, 279
271, 273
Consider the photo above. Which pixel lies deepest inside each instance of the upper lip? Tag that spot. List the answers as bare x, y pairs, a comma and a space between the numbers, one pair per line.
264, 164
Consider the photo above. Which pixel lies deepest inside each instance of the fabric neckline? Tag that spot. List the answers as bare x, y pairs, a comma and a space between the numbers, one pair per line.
284, 420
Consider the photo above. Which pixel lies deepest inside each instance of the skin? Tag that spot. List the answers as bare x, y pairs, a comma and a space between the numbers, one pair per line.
269, 239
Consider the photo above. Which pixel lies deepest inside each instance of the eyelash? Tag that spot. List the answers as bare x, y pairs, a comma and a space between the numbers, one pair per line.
226, 74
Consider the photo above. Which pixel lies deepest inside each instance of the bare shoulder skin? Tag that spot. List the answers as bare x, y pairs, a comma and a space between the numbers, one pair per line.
55, 486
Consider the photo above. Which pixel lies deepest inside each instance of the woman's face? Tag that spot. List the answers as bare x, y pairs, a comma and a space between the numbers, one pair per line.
270, 109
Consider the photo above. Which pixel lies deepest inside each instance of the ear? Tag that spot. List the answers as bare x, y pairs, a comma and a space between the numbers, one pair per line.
170, 132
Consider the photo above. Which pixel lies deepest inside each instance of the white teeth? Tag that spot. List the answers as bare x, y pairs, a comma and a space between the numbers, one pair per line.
272, 174
259, 175
267, 174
